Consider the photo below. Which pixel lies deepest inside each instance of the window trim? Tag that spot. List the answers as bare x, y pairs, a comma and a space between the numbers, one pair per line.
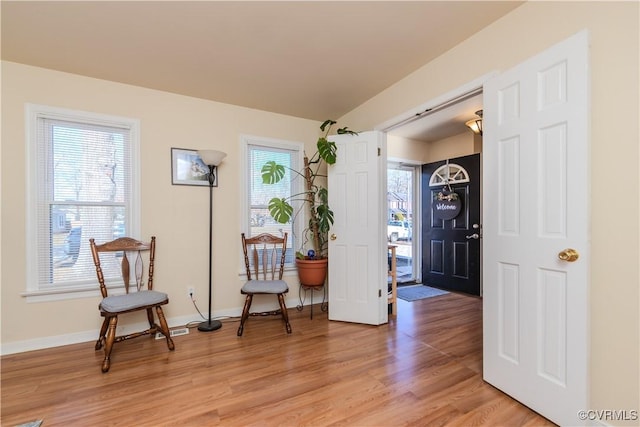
33, 112
245, 142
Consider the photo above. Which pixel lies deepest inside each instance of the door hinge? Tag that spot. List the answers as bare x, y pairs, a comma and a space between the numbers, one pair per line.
379, 293
378, 151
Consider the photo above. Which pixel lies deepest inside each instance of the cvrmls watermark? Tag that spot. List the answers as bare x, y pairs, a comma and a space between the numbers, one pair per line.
609, 415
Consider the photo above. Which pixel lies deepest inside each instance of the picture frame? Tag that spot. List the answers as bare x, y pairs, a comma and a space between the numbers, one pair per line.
187, 168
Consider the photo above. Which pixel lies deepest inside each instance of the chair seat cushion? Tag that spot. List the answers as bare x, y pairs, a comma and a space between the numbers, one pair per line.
265, 287
120, 303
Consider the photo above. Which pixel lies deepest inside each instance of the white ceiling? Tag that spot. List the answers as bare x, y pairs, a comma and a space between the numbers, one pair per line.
300, 58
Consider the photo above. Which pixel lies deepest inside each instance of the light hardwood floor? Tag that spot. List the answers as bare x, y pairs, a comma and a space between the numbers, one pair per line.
421, 369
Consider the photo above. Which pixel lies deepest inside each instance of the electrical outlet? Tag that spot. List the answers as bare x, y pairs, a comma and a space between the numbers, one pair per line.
191, 292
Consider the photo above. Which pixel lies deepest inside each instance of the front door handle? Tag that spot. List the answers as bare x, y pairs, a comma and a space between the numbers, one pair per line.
473, 236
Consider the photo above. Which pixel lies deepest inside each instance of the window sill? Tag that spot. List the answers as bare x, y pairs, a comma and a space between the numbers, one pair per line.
61, 294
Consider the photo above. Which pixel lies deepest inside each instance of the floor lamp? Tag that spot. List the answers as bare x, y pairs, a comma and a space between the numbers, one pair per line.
211, 158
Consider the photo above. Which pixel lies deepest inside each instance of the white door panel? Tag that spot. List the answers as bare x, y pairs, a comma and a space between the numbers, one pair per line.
357, 255
536, 203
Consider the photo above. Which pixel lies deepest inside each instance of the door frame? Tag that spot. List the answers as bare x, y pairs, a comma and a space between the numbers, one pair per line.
474, 87
438, 103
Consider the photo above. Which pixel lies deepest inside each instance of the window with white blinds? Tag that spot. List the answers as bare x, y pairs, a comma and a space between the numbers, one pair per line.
259, 151
82, 184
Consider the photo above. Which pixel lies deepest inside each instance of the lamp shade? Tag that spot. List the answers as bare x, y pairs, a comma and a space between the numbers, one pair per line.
476, 124
211, 157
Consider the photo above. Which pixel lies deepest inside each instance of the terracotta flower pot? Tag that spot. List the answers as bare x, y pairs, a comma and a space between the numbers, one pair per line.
312, 272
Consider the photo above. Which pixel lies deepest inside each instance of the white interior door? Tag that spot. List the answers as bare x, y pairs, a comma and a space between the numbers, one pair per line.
358, 242
536, 204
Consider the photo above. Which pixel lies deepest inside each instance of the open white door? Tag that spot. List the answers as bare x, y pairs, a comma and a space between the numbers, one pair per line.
536, 205
358, 242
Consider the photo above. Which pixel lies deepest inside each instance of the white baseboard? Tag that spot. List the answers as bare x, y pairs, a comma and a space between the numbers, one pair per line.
92, 335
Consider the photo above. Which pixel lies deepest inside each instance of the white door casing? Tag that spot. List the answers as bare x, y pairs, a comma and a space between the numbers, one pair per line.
357, 254
536, 204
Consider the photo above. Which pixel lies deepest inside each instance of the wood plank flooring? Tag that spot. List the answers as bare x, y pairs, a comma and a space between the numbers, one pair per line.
421, 369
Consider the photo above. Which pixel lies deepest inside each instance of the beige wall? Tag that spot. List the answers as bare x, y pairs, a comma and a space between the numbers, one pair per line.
454, 146
613, 28
400, 148
458, 145
177, 215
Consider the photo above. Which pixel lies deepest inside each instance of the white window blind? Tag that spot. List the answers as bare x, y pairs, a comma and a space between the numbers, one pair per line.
82, 175
260, 151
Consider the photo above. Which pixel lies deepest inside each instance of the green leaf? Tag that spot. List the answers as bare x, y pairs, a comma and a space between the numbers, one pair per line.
272, 172
327, 123
323, 212
346, 131
280, 210
325, 217
323, 195
327, 150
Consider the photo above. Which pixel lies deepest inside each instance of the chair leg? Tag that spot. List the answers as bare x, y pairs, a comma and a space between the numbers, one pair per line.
285, 314
108, 345
103, 331
164, 327
245, 313
152, 324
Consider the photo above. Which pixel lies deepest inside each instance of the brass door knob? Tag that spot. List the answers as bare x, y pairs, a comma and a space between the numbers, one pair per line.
569, 255
333, 236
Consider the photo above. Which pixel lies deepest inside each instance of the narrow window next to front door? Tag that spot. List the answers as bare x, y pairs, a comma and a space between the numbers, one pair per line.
401, 199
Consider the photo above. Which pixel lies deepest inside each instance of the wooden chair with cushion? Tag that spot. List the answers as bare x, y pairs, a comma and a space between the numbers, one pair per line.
264, 257
112, 259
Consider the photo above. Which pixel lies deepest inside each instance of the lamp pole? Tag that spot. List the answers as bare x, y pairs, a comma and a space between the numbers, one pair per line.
210, 324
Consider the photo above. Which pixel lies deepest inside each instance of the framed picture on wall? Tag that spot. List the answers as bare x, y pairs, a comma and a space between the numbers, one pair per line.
187, 168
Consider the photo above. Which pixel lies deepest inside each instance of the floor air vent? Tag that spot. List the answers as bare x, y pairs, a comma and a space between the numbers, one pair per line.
173, 332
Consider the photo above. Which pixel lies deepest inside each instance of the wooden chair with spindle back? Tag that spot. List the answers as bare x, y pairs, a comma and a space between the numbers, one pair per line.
113, 258
264, 257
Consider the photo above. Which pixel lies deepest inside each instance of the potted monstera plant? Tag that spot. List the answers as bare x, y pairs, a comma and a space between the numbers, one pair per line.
312, 264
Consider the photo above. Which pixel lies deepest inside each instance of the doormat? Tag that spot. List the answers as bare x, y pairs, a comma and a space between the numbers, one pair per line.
414, 293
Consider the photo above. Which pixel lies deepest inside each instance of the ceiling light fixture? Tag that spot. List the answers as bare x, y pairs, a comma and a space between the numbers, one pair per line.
476, 124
